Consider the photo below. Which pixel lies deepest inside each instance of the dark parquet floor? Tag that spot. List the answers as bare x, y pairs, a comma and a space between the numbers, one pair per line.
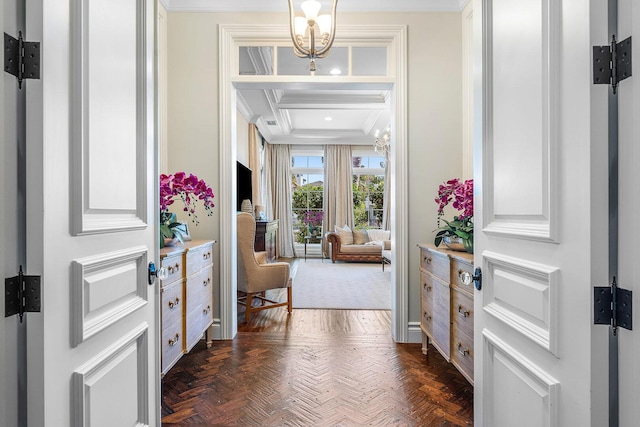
315, 368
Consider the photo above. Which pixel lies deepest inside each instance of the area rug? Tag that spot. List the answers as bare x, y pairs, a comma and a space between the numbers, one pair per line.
350, 286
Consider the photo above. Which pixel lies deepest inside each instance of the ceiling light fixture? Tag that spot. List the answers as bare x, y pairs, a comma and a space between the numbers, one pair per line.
383, 142
328, 118
335, 71
299, 26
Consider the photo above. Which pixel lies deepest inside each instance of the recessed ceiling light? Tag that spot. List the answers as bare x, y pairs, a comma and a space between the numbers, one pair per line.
328, 118
335, 71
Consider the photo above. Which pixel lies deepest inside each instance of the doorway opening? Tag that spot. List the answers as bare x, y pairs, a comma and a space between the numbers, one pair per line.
231, 37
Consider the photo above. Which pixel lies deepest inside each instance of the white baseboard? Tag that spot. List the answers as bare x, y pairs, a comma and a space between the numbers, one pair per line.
216, 330
415, 333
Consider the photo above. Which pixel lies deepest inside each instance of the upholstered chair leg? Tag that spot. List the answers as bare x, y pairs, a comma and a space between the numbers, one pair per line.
247, 313
289, 300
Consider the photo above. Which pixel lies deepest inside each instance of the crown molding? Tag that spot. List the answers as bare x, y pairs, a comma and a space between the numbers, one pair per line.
343, 6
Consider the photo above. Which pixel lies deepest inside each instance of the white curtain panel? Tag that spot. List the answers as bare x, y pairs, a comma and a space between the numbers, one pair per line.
278, 195
386, 206
255, 143
267, 191
338, 189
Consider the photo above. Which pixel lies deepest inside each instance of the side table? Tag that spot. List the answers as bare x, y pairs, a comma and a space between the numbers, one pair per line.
306, 241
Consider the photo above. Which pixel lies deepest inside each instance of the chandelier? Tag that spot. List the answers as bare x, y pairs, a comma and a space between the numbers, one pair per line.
299, 26
382, 141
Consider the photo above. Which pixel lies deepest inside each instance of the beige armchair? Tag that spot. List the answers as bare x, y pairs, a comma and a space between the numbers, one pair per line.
255, 275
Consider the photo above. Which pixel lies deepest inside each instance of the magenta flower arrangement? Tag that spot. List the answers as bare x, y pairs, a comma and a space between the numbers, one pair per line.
312, 218
461, 194
189, 189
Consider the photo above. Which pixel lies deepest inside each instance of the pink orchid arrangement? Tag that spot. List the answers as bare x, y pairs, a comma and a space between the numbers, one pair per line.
461, 193
189, 189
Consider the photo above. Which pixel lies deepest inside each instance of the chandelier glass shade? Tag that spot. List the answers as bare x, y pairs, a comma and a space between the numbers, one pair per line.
383, 141
311, 25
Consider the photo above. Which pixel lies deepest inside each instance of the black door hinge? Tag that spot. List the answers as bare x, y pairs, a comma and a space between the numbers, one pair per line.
612, 64
613, 306
21, 58
22, 294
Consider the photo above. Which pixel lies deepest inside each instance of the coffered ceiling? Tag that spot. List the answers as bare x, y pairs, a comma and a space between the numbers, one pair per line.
297, 116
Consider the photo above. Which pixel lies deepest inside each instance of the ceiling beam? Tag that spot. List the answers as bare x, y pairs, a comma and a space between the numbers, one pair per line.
307, 101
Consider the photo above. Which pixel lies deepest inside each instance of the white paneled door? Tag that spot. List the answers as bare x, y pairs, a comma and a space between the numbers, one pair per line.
91, 216
11, 247
540, 194
629, 191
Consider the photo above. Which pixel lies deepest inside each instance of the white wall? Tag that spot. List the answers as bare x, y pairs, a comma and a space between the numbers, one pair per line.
434, 109
467, 91
242, 139
162, 90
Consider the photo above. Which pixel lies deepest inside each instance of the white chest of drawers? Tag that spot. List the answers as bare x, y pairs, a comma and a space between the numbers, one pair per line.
187, 298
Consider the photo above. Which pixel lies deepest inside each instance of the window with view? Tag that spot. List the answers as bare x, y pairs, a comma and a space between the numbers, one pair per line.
368, 191
307, 187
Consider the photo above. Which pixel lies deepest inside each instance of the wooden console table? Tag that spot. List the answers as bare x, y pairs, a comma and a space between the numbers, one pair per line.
267, 239
447, 305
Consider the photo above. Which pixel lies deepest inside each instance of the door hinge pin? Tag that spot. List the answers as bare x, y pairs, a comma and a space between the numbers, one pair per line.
614, 301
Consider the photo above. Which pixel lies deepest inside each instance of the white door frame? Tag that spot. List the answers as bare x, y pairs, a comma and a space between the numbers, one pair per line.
395, 36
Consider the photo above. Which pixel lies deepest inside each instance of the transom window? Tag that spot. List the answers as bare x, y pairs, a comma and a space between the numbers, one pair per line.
365, 60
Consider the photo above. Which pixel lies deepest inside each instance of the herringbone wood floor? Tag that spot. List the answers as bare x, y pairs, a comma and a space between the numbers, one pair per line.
315, 368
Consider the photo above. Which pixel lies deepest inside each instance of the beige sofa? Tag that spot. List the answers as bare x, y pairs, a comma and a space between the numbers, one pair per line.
358, 248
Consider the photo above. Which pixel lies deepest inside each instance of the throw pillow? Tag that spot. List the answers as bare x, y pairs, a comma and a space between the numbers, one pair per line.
379, 234
346, 236
360, 237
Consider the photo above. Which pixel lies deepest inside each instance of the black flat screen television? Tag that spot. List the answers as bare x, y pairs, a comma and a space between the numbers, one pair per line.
243, 184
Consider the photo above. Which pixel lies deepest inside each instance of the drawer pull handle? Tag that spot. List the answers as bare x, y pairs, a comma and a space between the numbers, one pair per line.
427, 260
428, 288
427, 317
174, 341
206, 310
462, 351
174, 303
170, 269
173, 269
206, 256
462, 312
206, 282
